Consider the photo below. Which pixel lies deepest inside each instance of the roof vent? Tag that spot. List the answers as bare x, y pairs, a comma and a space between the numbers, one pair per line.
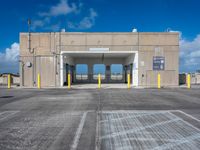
63, 30
134, 30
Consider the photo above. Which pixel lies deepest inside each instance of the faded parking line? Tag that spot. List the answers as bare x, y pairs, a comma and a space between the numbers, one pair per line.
79, 131
147, 130
6, 114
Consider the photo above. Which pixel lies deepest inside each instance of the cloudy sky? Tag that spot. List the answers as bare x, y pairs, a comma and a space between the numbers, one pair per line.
100, 15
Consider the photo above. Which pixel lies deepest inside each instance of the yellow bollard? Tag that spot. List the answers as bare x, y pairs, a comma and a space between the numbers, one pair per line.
39, 81
99, 81
188, 81
9, 81
129, 81
159, 79
69, 80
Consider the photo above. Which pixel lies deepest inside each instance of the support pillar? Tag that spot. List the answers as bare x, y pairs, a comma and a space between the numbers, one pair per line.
73, 73
90, 73
108, 74
61, 71
125, 73
135, 71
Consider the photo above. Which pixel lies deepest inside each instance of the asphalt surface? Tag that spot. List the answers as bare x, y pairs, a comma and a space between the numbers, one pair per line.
61, 119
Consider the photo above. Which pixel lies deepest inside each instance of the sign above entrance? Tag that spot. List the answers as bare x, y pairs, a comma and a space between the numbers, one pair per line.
99, 49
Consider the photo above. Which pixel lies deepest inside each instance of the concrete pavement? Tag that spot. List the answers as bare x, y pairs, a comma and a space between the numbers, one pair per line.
99, 119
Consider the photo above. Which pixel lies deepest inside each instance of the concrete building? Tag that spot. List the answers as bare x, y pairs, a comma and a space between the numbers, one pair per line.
195, 78
142, 54
14, 79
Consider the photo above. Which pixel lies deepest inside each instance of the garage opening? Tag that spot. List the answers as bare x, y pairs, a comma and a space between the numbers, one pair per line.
81, 74
99, 69
84, 68
117, 72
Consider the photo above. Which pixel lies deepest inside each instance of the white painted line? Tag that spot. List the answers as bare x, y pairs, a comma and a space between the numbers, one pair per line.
186, 122
122, 129
136, 111
153, 139
118, 140
78, 132
97, 144
182, 141
132, 117
188, 115
140, 129
125, 148
148, 111
10, 113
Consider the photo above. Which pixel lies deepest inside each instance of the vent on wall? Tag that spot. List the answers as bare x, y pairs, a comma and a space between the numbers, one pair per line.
134, 30
63, 30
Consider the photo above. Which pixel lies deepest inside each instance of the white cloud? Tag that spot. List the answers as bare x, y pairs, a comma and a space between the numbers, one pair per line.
46, 19
62, 8
53, 27
37, 24
86, 23
11, 54
190, 54
9, 59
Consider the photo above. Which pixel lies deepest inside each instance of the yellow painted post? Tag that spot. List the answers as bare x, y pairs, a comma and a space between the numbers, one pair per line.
69, 81
188, 81
99, 81
9, 81
39, 81
159, 79
129, 81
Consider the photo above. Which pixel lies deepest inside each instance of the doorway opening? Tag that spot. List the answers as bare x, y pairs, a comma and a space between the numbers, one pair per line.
117, 72
81, 73
99, 69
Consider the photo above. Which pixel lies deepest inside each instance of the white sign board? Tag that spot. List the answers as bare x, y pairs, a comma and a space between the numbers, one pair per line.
99, 49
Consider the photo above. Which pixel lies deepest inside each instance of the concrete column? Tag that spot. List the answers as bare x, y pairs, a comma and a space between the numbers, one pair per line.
22, 73
61, 70
124, 73
90, 72
108, 73
135, 71
73, 73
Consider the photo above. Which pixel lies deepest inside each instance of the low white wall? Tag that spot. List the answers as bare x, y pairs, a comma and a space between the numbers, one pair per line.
195, 78
14, 80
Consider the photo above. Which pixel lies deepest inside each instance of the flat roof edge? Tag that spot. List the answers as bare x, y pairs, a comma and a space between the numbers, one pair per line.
175, 33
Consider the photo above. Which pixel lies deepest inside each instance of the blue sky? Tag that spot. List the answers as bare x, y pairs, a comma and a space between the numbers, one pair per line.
100, 15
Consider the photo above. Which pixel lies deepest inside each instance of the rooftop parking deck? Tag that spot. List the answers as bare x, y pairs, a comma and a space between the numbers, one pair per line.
99, 119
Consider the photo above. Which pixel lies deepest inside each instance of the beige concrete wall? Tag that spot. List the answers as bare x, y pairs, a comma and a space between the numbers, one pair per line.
114, 41
45, 66
46, 48
44, 57
158, 38
158, 44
